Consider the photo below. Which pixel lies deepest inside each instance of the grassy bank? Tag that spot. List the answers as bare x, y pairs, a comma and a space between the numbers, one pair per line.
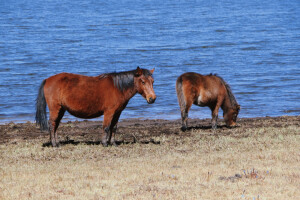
260, 159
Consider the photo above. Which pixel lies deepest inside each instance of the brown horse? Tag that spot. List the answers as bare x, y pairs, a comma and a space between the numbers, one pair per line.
211, 91
90, 97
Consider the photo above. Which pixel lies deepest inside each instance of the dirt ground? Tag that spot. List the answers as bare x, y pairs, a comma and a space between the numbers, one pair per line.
135, 130
154, 159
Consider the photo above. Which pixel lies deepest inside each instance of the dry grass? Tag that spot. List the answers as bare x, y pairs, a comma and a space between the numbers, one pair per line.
252, 163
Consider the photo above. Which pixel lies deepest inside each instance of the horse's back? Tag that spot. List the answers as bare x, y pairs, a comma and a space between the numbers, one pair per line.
62, 79
68, 78
67, 84
198, 79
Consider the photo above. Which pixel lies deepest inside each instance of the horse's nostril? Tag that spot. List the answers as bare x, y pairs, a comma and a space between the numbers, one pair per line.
151, 100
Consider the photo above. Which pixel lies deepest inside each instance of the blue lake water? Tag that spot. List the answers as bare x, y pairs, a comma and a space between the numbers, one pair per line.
253, 45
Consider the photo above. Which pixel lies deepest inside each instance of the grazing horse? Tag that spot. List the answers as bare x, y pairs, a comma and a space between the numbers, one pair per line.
210, 90
89, 97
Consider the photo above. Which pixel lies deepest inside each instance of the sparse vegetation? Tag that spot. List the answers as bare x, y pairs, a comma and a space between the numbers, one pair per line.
154, 160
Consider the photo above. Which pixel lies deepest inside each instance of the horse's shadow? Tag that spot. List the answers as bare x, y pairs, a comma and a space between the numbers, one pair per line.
200, 127
123, 142
118, 143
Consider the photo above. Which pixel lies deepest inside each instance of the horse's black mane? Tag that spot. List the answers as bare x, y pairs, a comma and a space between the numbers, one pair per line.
124, 80
229, 92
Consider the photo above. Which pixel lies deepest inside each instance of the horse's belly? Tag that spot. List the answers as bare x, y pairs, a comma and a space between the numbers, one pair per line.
85, 114
83, 109
83, 105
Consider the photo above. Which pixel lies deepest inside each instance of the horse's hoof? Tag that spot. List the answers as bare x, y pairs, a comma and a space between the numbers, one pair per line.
104, 144
54, 144
183, 128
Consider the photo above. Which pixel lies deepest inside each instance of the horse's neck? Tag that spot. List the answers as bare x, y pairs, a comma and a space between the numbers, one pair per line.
226, 103
129, 93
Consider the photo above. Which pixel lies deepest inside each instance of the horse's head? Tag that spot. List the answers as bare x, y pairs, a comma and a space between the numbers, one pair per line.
230, 116
143, 81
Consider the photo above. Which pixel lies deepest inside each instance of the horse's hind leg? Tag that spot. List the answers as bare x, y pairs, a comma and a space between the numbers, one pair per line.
214, 120
56, 114
184, 117
185, 114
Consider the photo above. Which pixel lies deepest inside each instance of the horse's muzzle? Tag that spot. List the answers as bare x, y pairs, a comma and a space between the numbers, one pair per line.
233, 125
150, 100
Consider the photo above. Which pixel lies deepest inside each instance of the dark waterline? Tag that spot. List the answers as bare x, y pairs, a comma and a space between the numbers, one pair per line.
253, 45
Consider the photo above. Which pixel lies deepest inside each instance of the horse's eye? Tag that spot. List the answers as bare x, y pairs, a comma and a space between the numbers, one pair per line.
143, 82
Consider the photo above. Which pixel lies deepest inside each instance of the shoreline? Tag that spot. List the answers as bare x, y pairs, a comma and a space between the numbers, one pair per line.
100, 119
129, 129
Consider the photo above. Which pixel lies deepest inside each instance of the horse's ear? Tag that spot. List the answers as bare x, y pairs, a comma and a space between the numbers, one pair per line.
138, 72
152, 70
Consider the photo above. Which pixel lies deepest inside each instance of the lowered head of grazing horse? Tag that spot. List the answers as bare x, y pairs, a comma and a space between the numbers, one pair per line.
91, 96
210, 90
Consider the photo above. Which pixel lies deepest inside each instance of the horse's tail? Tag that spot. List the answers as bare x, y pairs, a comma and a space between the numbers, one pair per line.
180, 94
41, 114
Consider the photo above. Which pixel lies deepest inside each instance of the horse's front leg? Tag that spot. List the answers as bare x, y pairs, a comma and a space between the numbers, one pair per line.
110, 127
106, 135
113, 133
113, 128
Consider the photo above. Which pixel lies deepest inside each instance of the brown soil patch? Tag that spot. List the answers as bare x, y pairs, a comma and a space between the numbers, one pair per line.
137, 131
